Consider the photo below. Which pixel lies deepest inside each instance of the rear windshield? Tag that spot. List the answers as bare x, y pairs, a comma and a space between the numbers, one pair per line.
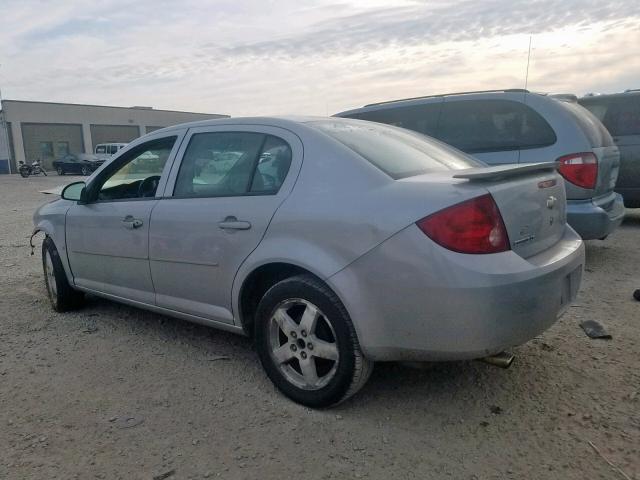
594, 130
620, 115
399, 153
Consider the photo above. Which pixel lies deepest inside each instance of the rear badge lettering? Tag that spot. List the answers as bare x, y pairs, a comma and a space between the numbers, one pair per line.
524, 240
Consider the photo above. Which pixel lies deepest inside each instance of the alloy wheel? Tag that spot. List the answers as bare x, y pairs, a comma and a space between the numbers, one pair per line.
303, 344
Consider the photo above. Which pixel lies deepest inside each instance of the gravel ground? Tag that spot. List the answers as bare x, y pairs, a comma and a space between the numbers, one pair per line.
118, 393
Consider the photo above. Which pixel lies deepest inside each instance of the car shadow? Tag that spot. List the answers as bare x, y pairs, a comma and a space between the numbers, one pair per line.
417, 384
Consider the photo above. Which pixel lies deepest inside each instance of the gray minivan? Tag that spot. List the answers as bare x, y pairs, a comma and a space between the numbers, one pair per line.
517, 126
620, 113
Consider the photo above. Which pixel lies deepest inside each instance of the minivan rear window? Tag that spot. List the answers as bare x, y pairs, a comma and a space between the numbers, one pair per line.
399, 153
593, 129
477, 126
620, 115
419, 118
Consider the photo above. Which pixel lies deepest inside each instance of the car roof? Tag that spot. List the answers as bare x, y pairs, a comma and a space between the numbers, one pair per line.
516, 94
286, 122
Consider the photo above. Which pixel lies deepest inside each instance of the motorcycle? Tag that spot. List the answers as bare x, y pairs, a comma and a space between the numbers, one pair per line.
33, 169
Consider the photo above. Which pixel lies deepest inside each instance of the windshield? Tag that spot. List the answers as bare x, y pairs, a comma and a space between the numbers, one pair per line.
397, 152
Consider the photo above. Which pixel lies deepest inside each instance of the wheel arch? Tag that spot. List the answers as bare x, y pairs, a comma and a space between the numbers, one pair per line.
258, 280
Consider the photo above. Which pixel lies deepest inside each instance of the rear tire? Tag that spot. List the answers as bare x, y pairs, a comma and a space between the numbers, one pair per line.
61, 295
85, 171
307, 343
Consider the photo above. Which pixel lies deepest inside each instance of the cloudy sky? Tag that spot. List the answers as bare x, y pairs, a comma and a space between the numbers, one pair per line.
254, 57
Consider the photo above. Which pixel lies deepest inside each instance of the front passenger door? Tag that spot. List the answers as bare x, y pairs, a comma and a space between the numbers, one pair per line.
108, 236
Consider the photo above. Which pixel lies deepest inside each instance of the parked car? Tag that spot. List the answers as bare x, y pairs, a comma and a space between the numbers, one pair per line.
108, 148
382, 244
620, 113
516, 126
81, 163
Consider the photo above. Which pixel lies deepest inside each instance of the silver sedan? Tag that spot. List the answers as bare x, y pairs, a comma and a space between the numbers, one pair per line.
333, 243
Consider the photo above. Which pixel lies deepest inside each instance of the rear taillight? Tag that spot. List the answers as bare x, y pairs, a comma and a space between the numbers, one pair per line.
581, 169
474, 226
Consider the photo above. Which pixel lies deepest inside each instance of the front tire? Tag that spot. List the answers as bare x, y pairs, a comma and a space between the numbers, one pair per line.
307, 343
61, 295
60, 170
24, 173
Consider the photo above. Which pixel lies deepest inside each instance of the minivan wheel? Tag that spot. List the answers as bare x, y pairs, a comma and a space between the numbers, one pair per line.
62, 296
85, 170
60, 171
307, 343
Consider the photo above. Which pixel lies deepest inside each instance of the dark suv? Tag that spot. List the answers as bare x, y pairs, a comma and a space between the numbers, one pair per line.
620, 113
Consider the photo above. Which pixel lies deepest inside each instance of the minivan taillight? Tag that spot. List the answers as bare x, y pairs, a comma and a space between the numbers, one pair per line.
581, 169
474, 226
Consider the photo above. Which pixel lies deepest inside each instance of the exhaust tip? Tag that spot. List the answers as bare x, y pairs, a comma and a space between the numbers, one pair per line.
502, 359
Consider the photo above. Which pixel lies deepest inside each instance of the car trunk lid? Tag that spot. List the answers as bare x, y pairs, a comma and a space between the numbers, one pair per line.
531, 199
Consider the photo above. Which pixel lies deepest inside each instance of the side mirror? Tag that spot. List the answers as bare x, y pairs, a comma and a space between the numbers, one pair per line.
74, 191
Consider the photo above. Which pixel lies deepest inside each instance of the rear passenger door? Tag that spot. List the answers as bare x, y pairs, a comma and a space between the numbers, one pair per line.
218, 203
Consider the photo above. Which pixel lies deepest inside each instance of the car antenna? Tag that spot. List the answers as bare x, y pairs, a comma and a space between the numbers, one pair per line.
526, 75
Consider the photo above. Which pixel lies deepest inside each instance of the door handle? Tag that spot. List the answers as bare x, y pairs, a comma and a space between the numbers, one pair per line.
232, 223
130, 223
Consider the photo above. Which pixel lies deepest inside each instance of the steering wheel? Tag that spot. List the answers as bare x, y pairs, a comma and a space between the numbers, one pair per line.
148, 186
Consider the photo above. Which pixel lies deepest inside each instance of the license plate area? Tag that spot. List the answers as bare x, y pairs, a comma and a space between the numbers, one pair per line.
570, 285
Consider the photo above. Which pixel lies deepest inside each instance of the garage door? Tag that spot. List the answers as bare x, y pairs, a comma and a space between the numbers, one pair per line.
47, 141
113, 133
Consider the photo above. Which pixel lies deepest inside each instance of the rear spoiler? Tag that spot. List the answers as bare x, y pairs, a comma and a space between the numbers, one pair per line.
504, 171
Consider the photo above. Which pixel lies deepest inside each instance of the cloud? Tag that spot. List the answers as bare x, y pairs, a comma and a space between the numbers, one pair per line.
261, 57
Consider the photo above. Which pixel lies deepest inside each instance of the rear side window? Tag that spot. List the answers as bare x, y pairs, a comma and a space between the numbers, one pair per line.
222, 164
620, 115
101, 149
594, 130
476, 126
396, 152
419, 118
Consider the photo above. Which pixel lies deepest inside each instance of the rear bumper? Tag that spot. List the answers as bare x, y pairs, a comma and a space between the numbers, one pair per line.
596, 218
410, 299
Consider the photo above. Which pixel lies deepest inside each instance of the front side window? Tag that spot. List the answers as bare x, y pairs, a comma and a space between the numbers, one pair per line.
138, 173
220, 164
476, 126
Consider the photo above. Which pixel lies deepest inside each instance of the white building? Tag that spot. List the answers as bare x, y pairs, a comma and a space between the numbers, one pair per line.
45, 131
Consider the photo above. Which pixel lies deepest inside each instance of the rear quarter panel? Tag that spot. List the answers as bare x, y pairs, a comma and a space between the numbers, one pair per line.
340, 208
